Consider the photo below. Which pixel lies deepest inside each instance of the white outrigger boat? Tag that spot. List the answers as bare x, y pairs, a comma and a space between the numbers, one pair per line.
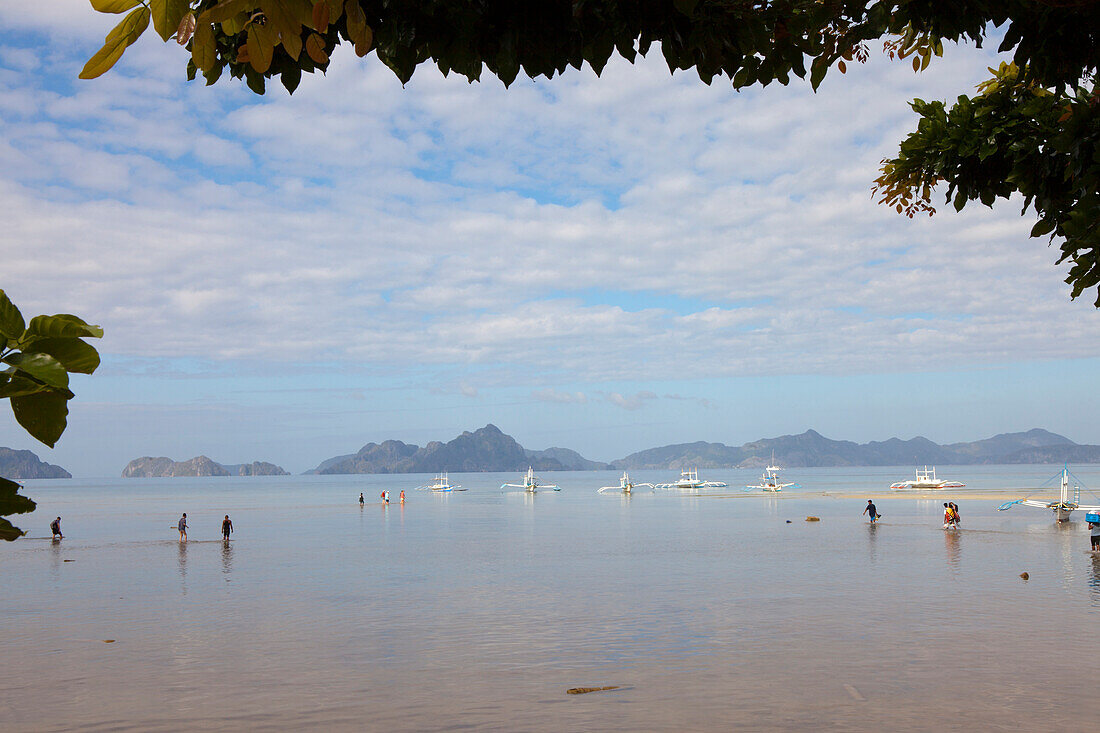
531, 483
769, 481
1068, 500
926, 481
625, 485
690, 480
439, 483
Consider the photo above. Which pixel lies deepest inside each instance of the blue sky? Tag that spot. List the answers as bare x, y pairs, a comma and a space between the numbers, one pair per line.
602, 264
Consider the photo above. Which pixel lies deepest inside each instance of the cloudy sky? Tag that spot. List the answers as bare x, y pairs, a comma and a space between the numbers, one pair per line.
605, 264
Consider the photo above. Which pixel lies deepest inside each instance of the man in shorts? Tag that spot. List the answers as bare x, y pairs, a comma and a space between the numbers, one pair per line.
1095, 527
872, 511
182, 527
55, 528
227, 528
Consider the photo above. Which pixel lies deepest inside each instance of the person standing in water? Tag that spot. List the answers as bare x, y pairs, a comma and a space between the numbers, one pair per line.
955, 518
1095, 527
182, 527
361, 500
871, 511
402, 496
55, 528
385, 497
227, 527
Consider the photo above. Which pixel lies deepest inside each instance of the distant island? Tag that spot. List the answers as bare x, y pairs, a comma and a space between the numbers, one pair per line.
21, 464
489, 449
149, 467
486, 449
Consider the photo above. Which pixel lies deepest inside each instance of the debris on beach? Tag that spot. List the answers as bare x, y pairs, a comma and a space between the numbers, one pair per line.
813, 519
1024, 575
108, 641
788, 521
68, 561
585, 690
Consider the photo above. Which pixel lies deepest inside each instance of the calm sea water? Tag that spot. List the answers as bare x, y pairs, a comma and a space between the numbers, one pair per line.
477, 610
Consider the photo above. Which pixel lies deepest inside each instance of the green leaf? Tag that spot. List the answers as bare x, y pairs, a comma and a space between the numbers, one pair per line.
43, 415
1043, 226
114, 6
11, 320
817, 73
225, 10
118, 40
17, 386
75, 355
9, 531
260, 47
203, 52
167, 15
10, 500
61, 325
42, 367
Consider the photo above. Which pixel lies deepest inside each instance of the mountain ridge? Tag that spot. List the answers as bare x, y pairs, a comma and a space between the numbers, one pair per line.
490, 449
23, 464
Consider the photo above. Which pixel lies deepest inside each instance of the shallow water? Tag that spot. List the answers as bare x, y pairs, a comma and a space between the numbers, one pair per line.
479, 609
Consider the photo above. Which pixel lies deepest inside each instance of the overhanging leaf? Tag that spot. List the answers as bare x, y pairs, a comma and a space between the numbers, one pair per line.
114, 6
62, 325
203, 53
17, 386
10, 500
12, 324
75, 355
315, 47
260, 47
167, 15
42, 367
43, 415
118, 40
9, 531
225, 10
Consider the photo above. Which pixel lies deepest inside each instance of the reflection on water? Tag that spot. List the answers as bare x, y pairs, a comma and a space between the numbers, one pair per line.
1094, 578
182, 558
227, 557
872, 536
951, 541
480, 609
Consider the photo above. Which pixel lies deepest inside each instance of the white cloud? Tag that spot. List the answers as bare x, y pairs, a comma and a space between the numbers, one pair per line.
630, 402
549, 394
448, 224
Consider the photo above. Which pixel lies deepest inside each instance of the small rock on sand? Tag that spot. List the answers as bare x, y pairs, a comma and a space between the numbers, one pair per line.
1024, 575
813, 519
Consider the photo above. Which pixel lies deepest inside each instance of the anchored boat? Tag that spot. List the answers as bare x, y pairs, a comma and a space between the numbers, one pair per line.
690, 480
1068, 501
625, 485
926, 481
439, 483
770, 480
531, 483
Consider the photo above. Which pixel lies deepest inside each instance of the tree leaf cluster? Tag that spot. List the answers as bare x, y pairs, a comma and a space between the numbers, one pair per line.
1013, 136
36, 359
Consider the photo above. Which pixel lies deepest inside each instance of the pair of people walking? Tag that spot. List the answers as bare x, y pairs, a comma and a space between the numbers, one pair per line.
181, 525
951, 518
